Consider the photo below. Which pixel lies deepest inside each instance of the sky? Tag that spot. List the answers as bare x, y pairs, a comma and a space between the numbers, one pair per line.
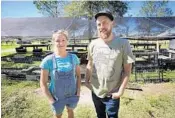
136, 6
18, 9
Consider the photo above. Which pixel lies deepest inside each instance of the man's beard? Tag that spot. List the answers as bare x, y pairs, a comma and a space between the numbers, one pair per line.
104, 34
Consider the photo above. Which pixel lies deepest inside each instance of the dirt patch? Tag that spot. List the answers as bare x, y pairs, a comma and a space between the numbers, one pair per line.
39, 92
158, 89
151, 89
148, 89
85, 95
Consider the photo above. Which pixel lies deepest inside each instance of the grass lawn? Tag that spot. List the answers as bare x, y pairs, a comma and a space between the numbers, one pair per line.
19, 65
9, 46
7, 49
7, 53
21, 99
153, 75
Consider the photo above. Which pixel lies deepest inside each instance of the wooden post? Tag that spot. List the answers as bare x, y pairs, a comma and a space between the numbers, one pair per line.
157, 46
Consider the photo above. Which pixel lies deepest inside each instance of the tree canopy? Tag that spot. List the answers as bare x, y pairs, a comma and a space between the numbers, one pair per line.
90, 8
155, 9
50, 8
80, 8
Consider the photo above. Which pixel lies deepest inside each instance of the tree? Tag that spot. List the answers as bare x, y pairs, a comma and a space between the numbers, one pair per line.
90, 8
155, 9
80, 8
50, 8
85, 9
152, 9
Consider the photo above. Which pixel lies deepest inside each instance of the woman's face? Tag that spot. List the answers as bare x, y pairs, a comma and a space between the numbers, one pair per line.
60, 41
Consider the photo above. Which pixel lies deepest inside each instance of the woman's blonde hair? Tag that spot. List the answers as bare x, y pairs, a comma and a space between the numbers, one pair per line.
58, 32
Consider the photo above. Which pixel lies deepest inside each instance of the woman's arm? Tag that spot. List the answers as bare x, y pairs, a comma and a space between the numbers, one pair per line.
43, 84
78, 79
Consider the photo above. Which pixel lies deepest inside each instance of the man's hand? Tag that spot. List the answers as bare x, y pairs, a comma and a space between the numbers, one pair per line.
117, 95
125, 79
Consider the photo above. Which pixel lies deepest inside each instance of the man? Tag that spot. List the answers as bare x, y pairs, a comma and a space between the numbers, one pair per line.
109, 66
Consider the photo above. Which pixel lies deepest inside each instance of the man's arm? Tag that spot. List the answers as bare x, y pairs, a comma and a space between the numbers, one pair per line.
125, 79
88, 74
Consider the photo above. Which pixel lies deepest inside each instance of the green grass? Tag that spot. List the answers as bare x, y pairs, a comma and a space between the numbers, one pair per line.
170, 75
9, 45
13, 46
20, 100
151, 75
30, 49
19, 65
150, 107
7, 53
5, 47
165, 45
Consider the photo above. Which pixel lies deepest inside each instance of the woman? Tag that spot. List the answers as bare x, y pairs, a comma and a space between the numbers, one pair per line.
64, 71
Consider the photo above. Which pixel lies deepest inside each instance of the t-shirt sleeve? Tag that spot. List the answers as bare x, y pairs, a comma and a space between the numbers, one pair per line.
128, 55
76, 60
45, 64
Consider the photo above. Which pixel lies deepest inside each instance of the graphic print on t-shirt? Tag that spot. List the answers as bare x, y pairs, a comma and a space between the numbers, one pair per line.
104, 59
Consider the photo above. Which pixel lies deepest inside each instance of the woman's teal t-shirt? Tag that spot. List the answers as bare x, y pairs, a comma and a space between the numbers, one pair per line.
63, 65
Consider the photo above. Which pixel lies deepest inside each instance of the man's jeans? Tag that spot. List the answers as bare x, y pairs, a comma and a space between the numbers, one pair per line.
105, 106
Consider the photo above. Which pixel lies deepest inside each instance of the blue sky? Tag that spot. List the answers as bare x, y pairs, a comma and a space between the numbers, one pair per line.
17, 9
136, 6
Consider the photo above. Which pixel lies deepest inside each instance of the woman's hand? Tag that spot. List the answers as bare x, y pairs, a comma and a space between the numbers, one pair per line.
88, 85
51, 101
78, 93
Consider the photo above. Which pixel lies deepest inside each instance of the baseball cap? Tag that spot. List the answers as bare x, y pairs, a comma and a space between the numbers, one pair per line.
104, 13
